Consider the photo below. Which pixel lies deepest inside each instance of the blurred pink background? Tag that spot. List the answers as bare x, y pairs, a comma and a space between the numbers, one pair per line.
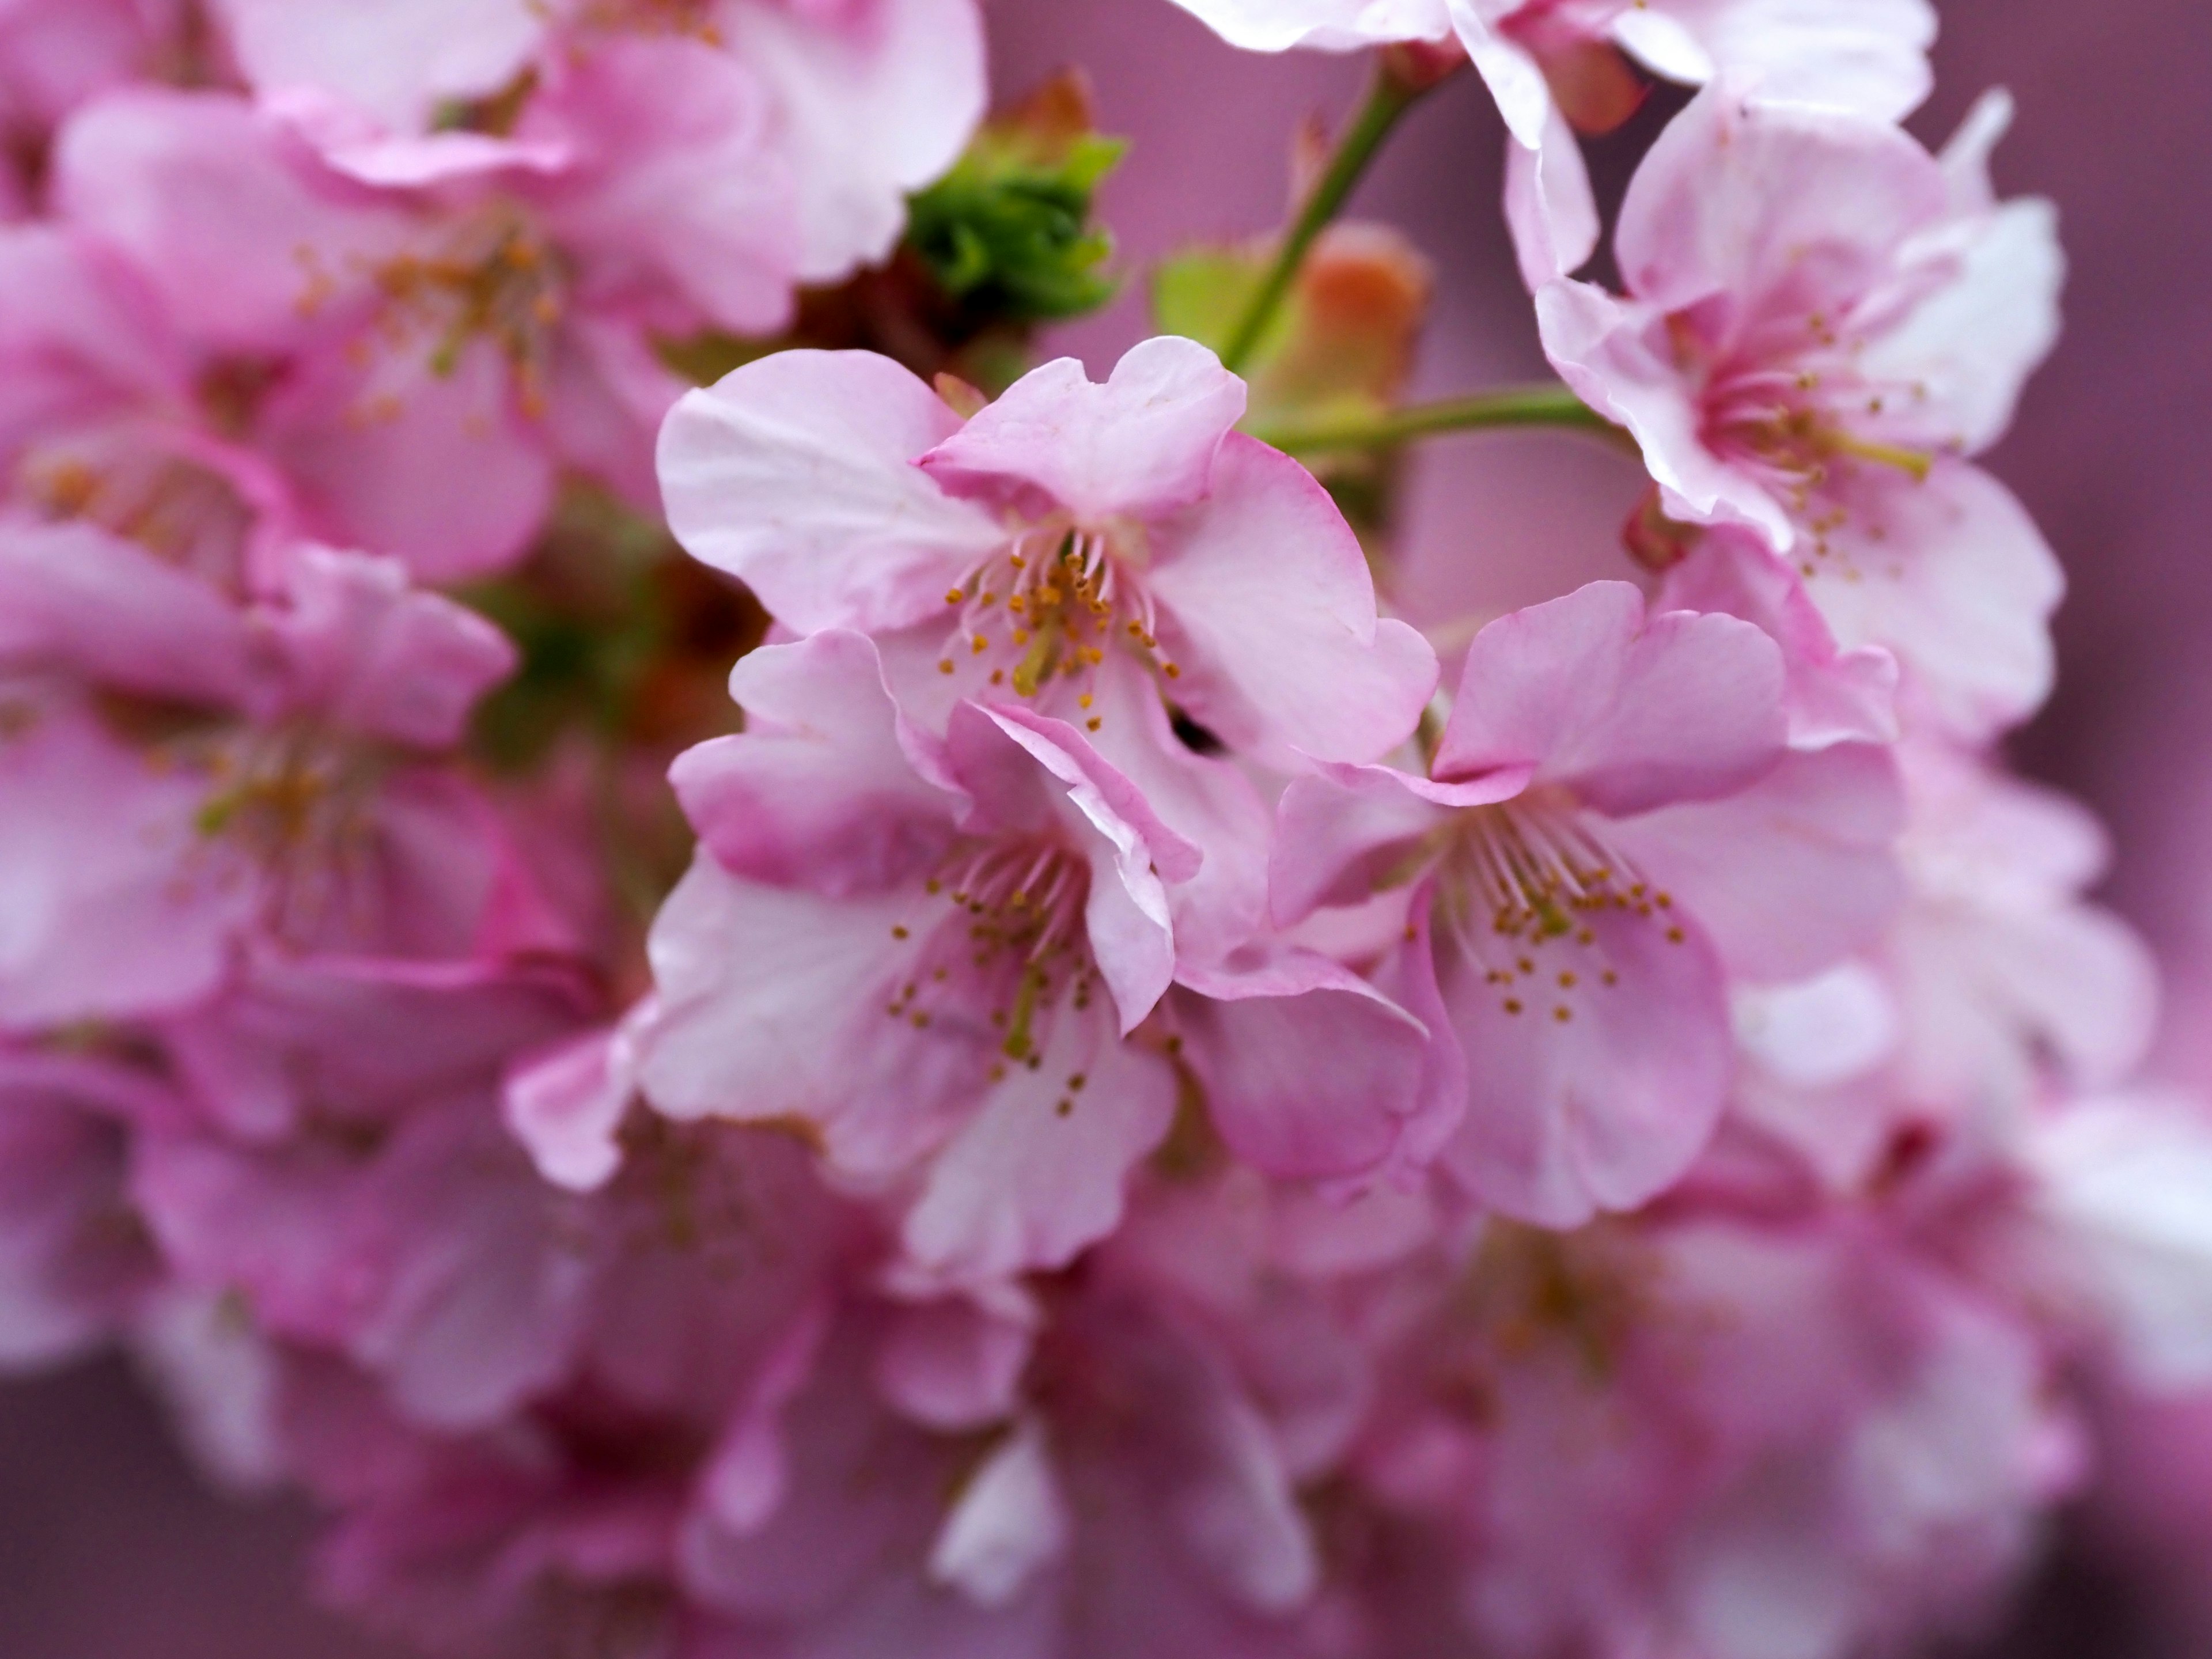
110, 1549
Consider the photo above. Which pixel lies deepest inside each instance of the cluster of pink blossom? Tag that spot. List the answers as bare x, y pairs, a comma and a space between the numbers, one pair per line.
1147, 1127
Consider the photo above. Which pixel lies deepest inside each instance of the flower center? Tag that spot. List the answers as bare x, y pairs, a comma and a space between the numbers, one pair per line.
494, 280
1800, 407
1049, 605
1520, 888
1014, 946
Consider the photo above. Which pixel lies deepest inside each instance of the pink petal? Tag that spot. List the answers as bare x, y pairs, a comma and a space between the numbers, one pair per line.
1772, 207
819, 791
567, 1106
1141, 445
74, 598
1791, 874
373, 654
952, 1364
398, 59
1605, 1110
677, 189
773, 1007
1310, 1072
1133, 854
1269, 610
869, 113
1618, 357
1629, 712
1867, 55
793, 475
1037, 1175
1953, 576
1344, 831
115, 905
1010, 1523
203, 195
1549, 205
1328, 25
441, 469
1834, 695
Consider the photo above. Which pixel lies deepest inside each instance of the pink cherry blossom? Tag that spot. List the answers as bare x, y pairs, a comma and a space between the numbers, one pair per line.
1068, 532
1614, 826
1557, 65
850, 106
1824, 323
75, 1263
936, 952
1722, 1436
1994, 987
212, 772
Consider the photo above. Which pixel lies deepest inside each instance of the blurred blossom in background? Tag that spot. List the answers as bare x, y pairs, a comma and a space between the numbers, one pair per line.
109, 1546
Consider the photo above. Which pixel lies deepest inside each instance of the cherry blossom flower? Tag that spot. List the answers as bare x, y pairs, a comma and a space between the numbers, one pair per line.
1824, 323
185, 774
76, 1264
852, 105
935, 953
1560, 66
1040, 551
1722, 1436
1994, 988
1613, 826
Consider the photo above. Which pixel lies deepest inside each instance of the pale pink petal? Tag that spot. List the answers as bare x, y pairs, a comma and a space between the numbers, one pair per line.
869, 111
1037, 1175
1629, 711
1268, 610
1608, 1108
69, 1272
773, 1006
1549, 205
1142, 444
1953, 576
1345, 830
1310, 1072
1514, 78
294, 1035
1328, 25
1207, 799
398, 59
1617, 357
953, 1364
606, 395
115, 904
793, 474
567, 1105
1867, 55
1792, 873
1133, 854
72, 597
819, 791
1968, 348
374, 654
215, 213
1010, 1523
2124, 1186
1771, 207
441, 469
1834, 695
676, 189
83, 334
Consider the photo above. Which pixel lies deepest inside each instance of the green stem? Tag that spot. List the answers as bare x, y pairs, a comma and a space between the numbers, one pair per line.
1390, 96
1547, 406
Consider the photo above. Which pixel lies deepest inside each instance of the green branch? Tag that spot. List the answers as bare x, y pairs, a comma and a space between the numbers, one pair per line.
1391, 96
1550, 405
